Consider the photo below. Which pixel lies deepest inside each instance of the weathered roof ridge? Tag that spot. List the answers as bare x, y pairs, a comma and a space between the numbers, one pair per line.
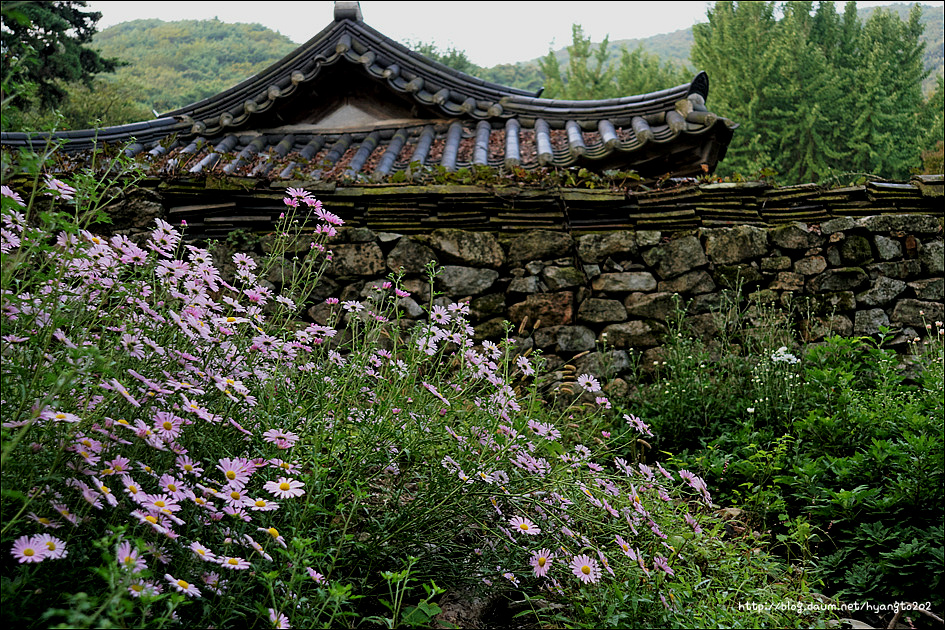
429, 83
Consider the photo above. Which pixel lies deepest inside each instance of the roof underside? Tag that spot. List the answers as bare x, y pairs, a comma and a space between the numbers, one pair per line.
353, 104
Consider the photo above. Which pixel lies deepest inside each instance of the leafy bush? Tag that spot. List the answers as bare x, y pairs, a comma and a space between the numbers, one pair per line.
833, 449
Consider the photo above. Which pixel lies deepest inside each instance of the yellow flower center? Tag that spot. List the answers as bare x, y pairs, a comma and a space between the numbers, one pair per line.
542, 560
260, 503
159, 503
284, 486
28, 552
44, 520
523, 527
234, 495
151, 519
232, 561
137, 588
60, 416
184, 585
273, 532
230, 320
168, 425
586, 570
230, 475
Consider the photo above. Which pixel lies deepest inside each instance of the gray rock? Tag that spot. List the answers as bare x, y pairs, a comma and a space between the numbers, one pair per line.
810, 266
418, 289
595, 248
733, 276
410, 307
909, 223
676, 257
410, 255
856, 250
491, 329
388, 237
917, 313
550, 309
932, 255
562, 277
487, 306
883, 291
539, 245
839, 224
787, 281
535, 267
795, 236
703, 326
776, 263
528, 284
598, 311
933, 289
694, 282
844, 279
726, 246
635, 334
819, 327
604, 365
704, 303
461, 281
477, 249
833, 257
648, 238
901, 269
546, 336
624, 282
591, 271
888, 248
869, 322
576, 339
651, 305
357, 259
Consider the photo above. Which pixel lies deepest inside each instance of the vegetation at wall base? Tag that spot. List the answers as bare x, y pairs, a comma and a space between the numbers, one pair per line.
179, 448
832, 451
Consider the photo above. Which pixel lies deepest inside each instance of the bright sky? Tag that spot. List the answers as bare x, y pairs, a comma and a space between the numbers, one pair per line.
490, 32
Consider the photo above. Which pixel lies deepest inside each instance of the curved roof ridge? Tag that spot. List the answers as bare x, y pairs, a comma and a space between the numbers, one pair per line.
427, 82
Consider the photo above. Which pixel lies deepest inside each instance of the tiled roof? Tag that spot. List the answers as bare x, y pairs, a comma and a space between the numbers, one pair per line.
353, 104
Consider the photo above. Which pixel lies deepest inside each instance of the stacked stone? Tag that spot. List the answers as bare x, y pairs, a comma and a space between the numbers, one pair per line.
572, 295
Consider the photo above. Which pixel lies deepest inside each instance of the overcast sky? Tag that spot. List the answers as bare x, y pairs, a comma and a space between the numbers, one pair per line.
490, 32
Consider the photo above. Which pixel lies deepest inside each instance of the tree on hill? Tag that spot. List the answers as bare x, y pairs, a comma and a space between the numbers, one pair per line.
591, 73
45, 45
178, 63
817, 94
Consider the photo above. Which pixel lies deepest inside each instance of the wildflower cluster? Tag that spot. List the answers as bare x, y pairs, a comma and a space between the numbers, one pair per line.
195, 423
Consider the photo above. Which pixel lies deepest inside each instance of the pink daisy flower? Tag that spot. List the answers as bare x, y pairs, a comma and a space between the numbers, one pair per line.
278, 620
589, 383
236, 564
182, 586
524, 526
541, 562
28, 549
128, 558
585, 568
285, 488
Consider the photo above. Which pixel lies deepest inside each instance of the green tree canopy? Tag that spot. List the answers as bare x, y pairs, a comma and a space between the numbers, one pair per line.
816, 93
45, 45
591, 72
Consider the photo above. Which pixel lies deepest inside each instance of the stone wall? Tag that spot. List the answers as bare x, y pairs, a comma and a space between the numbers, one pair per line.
567, 294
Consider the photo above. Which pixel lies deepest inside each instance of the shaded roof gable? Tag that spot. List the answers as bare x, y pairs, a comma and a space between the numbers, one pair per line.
353, 103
